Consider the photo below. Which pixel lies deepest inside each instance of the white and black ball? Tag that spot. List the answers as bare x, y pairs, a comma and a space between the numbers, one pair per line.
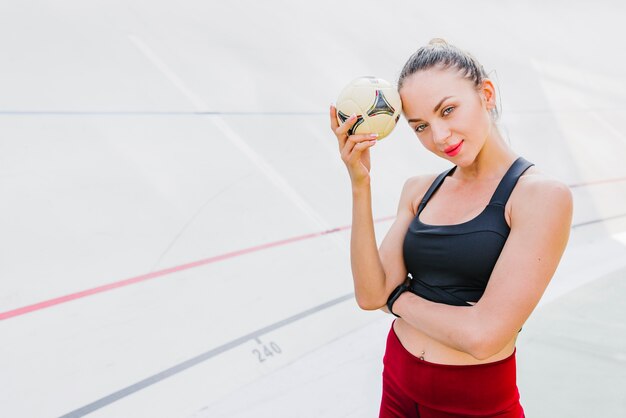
376, 103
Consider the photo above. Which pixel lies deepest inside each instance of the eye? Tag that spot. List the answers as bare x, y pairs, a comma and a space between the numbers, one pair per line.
447, 110
420, 128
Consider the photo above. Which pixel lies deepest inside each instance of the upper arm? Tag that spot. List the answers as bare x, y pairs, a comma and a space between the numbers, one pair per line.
541, 218
390, 249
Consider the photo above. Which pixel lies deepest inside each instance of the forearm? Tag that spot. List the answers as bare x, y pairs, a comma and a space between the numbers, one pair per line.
367, 268
458, 327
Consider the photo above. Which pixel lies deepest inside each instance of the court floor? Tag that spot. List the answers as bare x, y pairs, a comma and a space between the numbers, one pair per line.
175, 216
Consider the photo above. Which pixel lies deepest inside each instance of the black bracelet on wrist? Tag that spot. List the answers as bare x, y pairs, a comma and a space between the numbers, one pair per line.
396, 294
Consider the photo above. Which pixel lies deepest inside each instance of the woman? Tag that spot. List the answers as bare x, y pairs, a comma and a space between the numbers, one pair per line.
469, 254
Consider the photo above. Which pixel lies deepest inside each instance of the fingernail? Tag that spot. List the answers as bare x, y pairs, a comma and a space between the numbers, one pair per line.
373, 142
373, 135
352, 116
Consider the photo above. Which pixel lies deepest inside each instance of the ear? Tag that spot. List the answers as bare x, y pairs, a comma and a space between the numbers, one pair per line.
488, 94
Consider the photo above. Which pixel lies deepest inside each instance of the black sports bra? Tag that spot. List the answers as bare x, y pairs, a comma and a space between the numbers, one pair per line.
452, 264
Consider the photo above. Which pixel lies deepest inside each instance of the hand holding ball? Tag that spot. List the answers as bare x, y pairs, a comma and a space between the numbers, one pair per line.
374, 101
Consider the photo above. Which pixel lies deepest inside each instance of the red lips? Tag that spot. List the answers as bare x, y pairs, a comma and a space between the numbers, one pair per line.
454, 149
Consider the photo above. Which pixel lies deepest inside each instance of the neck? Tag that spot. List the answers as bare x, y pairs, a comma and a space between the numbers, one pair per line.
493, 160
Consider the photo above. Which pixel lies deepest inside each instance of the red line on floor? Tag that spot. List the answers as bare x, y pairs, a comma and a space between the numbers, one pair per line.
105, 288
591, 183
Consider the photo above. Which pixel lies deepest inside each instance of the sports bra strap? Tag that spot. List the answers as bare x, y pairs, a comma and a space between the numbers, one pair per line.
503, 191
508, 182
433, 188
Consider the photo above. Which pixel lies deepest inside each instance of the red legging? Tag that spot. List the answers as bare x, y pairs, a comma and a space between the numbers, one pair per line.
418, 388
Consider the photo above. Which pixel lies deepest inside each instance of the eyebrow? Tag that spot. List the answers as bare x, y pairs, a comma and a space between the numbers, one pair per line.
434, 110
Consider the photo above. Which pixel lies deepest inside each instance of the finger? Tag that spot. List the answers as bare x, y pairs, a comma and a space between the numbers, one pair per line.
342, 138
365, 145
358, 150
352, 153
357, 138
334, 123
346, 146
344, 129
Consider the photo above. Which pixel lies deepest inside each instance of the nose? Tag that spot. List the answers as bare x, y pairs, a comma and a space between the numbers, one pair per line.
441, 132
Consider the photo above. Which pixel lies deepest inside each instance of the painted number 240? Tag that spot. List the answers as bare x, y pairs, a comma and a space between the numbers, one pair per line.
263, 353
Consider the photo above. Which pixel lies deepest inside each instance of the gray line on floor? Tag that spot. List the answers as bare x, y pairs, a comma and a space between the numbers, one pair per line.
100, 403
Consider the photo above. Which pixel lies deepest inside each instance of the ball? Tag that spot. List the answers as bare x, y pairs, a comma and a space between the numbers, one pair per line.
376, 103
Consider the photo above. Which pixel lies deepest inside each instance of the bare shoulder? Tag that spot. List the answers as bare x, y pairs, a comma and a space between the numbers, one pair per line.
535, 183
415, 188
419, 184
537, 192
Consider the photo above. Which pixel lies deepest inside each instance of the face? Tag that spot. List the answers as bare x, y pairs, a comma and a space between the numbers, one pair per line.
448, 113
